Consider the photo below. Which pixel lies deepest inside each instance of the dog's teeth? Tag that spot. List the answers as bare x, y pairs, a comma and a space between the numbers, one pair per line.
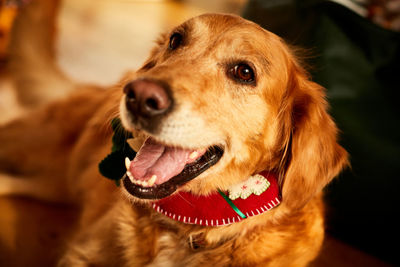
127, 163
152, 180
194, 155
130, 176
148, 183
138, 182
142, 183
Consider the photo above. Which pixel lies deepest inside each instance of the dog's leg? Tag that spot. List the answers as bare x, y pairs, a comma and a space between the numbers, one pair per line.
96, 245
27, 186
35, 150
32, 64
32, 154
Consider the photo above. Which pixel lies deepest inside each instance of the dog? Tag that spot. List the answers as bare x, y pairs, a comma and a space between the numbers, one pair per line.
225, 145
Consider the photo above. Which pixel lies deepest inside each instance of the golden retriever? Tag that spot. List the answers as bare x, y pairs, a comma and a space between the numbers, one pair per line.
219, 102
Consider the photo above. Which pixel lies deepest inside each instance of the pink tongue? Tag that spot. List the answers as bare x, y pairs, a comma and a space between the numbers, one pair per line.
157, 159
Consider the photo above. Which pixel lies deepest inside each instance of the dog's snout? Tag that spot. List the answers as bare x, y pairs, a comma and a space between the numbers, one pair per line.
146, 98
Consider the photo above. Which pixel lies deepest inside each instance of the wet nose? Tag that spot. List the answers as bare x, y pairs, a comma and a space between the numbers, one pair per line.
147, 99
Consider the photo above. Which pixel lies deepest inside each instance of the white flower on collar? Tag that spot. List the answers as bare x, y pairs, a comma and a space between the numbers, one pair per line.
256, 185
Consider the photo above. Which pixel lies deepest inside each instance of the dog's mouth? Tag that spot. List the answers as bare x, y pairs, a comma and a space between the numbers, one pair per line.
158, 170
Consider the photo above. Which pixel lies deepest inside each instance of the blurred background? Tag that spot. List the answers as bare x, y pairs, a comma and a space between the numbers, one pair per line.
353, 50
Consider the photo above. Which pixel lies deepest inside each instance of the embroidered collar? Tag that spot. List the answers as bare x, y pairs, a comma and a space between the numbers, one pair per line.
246, 200
255, 196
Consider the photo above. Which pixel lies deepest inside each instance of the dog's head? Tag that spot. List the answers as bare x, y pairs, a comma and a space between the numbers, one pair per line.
221, 99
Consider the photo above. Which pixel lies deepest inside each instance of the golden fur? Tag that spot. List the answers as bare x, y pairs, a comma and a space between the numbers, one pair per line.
279, 124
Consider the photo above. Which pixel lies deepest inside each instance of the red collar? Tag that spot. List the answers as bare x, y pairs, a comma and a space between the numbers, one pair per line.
214, 209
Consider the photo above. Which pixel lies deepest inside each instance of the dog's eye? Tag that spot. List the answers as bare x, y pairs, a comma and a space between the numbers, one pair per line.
175, 41
242, 72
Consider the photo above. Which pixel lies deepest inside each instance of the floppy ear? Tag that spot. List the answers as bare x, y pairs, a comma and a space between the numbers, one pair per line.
314, 156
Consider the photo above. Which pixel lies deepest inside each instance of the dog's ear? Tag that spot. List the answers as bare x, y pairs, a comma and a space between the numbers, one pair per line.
314, 157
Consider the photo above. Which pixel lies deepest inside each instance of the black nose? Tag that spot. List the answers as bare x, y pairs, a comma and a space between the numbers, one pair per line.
146, 98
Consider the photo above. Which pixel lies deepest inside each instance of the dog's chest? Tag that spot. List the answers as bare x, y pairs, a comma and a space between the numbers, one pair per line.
171, 252
176, 252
